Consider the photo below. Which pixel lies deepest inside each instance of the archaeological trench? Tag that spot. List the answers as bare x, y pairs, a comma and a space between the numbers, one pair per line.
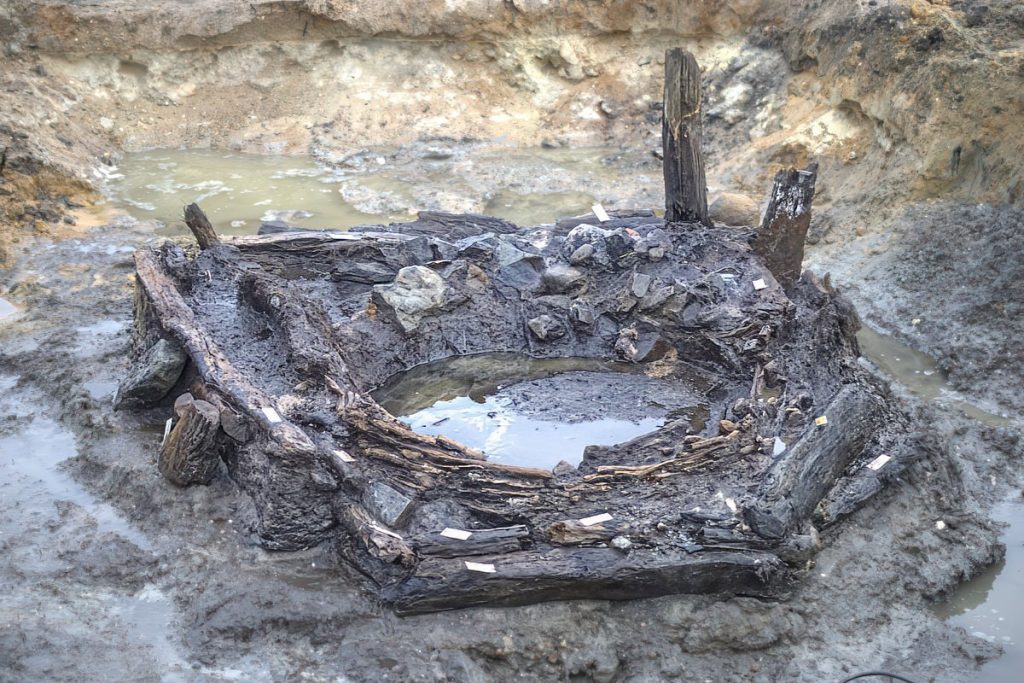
795, 271
281, 338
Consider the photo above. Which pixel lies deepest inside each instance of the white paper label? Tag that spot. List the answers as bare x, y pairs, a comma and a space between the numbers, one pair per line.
480, 567
596, 519
601, 214
457, 534
167, 430
272, 415
731, 504
821, 421
879, 462
779, 447
759, 284
343, 456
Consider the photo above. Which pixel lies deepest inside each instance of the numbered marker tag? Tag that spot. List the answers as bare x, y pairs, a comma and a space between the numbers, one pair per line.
343, 456
457, 534
759, 285
879, 462
272, 415
821, 421
601, 214
480, 567
596, 519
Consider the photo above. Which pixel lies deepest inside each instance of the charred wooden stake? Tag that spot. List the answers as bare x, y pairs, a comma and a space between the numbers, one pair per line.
780, 241
200, 226
685, 191
190, 455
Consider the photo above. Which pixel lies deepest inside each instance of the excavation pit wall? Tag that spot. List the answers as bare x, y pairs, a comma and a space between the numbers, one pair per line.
288, 333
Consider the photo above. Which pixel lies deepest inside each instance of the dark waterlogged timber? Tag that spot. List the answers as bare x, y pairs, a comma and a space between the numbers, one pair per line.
288, 333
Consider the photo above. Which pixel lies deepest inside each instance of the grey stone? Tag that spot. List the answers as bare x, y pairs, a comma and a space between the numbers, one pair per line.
563, 469
153, 376
478, 246
621, 543
582, 312
655, 244
416, 291
639, 285
386, 504
545, 327
560, 278
585, 234
582, 255
655, 297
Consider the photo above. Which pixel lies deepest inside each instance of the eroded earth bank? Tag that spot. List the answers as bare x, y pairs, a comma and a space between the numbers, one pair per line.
912, 110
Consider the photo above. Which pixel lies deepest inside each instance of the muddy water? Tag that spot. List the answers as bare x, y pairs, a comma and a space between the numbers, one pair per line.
990, 605
7, 309
489, 402
237, 190
919, 373
32, 477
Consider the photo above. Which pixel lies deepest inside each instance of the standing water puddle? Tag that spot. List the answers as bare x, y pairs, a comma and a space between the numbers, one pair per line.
6, 308
991, 605
919, 373
238, 191
30, 465
533, 412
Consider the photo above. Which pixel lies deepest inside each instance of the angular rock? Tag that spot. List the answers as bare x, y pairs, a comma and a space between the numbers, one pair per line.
655, 297
590, 235
545, 327
582, 255
477, 246
386, 504
153, 376
561, 278
639, 284
416, 291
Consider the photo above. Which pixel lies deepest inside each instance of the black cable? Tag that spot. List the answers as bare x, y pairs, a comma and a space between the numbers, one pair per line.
877, 673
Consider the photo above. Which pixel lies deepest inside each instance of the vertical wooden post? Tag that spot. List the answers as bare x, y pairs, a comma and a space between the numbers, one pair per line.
780, 241
200, 226
685, 188
189, 454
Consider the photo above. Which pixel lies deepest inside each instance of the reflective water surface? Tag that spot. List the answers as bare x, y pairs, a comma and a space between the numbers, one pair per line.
480, 402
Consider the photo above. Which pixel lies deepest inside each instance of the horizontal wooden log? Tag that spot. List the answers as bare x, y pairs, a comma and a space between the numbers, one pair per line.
214, 367
190, 454
584, 573
797, 481
481, 542
571, 532
378, 541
